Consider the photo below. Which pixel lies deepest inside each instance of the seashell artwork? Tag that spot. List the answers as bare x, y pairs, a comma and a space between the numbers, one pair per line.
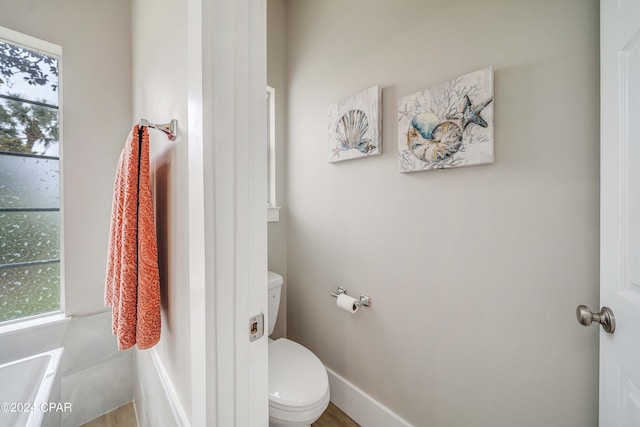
354, 126
449, 125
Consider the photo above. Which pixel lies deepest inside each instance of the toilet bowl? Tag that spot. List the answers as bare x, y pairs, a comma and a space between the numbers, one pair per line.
298, 381
298, 385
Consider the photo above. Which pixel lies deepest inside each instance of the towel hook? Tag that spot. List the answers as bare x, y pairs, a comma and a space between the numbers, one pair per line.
170, 129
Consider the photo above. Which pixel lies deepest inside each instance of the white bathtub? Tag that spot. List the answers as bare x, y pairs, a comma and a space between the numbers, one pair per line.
25, 387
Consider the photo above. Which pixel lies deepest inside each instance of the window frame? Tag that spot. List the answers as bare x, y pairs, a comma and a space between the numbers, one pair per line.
54, 50
273, 210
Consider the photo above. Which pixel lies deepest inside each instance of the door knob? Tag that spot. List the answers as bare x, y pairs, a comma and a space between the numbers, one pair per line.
605, 318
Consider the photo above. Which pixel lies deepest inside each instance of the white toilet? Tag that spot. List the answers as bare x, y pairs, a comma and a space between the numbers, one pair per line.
298, 382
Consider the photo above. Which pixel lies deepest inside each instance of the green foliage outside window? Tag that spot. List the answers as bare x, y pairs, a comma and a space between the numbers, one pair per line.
22, 124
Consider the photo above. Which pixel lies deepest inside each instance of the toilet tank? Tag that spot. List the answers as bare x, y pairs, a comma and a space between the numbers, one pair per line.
275, 285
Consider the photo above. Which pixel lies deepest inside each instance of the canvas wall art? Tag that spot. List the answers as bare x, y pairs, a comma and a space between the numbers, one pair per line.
449, 125
354, 126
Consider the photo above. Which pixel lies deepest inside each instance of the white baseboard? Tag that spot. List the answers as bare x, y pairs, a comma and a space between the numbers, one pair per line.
156, 402
174, 402
361, 407
357, 404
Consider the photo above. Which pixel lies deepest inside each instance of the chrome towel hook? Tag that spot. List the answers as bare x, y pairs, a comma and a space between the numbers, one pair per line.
170, 129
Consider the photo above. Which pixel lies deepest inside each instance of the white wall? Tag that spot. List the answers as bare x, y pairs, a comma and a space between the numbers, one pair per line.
96, 46
159, 40
277, 79
475, 272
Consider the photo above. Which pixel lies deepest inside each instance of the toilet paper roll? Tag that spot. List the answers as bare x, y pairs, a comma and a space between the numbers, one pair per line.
347, 303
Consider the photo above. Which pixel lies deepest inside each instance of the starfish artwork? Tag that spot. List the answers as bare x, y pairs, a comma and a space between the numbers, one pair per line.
471, 113
449, 125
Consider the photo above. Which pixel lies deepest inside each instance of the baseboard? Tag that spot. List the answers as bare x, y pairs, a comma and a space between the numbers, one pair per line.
172, 397
156, 403
357, 404
136, 413
361, 407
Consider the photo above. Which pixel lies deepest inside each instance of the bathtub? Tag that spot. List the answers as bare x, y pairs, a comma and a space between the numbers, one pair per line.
25, 387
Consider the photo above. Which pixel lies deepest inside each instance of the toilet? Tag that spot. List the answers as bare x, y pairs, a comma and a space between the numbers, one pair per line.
298, 381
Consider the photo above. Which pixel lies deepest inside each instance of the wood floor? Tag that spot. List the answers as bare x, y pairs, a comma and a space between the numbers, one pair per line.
334, 417
124, 416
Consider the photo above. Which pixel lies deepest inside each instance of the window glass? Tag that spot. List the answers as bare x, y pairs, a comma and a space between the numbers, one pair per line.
29, 182
271, 148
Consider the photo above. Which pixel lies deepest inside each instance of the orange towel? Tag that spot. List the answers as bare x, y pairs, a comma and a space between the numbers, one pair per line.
132, 285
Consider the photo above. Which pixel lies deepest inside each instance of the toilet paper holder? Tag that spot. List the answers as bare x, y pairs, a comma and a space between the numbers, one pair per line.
365, 300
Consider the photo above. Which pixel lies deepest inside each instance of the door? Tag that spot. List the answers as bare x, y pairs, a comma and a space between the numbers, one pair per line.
620, 211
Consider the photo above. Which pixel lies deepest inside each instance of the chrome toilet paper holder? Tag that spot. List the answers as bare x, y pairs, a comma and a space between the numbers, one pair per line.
365, 300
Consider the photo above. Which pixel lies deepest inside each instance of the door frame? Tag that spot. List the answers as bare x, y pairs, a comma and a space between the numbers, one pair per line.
227, 152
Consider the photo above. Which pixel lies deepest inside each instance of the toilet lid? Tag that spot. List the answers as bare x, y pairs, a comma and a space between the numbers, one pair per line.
297, 378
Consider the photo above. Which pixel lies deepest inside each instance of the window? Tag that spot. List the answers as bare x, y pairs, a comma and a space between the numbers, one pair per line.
273, 211
30, 281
